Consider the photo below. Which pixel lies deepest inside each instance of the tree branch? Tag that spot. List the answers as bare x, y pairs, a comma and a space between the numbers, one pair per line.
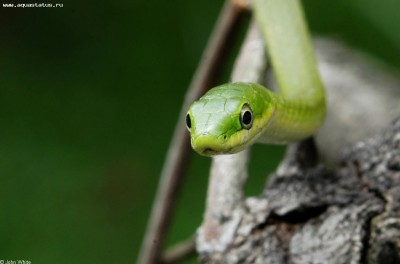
179, 150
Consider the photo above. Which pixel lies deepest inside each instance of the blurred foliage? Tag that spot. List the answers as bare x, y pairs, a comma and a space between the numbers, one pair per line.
89, 97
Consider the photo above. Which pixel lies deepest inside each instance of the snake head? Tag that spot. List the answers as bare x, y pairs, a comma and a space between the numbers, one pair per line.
227, 119
211, 129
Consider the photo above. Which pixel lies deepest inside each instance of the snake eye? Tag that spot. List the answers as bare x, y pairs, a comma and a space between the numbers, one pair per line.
246, 117
188, 122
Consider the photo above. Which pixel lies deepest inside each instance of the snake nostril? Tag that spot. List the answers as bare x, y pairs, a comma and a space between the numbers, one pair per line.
224, 137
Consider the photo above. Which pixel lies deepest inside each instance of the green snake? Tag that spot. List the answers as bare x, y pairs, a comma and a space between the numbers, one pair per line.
231, 117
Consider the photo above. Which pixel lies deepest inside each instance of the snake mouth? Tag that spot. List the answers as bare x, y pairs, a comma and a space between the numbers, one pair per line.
213, 152
209, 152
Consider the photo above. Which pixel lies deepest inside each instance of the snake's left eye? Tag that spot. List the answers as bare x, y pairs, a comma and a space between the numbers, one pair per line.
246, 117
188, 122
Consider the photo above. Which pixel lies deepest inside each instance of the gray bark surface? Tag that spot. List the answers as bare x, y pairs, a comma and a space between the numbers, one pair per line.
310, 214
335, 208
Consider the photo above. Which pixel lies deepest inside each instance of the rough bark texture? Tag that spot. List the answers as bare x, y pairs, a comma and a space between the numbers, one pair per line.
310, 214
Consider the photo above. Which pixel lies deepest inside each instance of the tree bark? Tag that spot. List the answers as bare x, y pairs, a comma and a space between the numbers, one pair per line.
309, 213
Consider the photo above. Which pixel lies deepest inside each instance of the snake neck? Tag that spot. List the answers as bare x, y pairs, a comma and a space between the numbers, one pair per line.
292, 121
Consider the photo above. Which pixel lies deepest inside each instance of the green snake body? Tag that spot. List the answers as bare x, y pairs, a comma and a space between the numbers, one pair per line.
231, 117
215, 120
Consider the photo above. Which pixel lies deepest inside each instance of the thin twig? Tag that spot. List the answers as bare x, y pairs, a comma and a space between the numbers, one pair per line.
180, 251
179, 151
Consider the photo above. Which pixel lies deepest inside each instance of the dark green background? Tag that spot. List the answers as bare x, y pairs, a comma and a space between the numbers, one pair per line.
89, 96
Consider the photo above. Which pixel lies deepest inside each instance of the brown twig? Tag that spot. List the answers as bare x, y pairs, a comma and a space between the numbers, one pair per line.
178, 154
242, 4
180, 251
